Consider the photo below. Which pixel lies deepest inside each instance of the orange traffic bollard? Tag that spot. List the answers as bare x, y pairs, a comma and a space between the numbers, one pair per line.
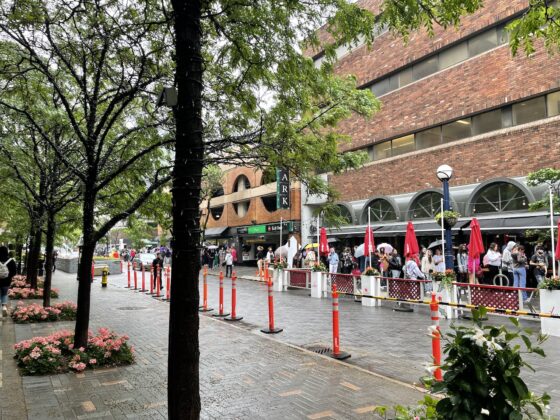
204, 307
151, 280
135, 276
167, 283
336, 353
271, 329
128, 274
221, 313
143, 278
436, 337
158, 280
233, 316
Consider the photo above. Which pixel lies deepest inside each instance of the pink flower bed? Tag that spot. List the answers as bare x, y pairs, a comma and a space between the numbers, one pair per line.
64, 311
56, 353
27, 293
21, 282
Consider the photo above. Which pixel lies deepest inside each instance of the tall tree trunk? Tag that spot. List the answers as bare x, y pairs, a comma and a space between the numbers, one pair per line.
34, 254
49, 247
19, 250
84, 270
28, 246
183, 363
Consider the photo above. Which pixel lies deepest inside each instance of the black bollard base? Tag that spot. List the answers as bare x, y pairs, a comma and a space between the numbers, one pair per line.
220, 315
340, 355
232, 319
201, 309
272, 331
403, 307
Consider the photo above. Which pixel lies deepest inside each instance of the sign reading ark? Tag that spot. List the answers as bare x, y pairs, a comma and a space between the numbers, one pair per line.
282, 189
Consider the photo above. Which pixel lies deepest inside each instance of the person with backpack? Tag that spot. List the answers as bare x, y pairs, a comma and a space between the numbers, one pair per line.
8, 270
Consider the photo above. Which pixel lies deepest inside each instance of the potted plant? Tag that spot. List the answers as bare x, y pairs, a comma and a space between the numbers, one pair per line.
317, 286
445, 279
450, 218
549, 295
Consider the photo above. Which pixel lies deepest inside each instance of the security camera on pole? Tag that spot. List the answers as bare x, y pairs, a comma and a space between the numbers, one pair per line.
444, 173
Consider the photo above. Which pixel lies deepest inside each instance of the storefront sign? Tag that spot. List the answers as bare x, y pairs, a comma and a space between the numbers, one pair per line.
270, 228
275, 227
282, 189
254, 230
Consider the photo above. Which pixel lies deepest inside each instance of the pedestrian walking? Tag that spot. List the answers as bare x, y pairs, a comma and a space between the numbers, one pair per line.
8, 270
260, 257
383, 262
269, 255
395, 264
492, 261
157, 264
333, 261
411, 269
539, 263
507, 261
519, 268
462, 263
229, 263
310, 258
347, 261
428, 266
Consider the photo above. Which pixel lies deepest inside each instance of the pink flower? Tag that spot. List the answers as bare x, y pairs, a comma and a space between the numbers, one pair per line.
92, 361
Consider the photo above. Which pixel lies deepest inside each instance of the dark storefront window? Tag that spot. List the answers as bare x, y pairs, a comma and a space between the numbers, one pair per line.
500, 197
380, 211
426, 206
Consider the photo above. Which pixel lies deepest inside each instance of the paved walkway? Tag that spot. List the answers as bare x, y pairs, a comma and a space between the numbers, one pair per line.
243, 374
393, 344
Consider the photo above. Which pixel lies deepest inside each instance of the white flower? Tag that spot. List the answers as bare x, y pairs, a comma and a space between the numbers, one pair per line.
478, 337
493, 345
430, 368
485, 411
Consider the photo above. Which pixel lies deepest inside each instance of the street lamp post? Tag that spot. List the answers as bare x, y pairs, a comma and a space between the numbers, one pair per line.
444, 173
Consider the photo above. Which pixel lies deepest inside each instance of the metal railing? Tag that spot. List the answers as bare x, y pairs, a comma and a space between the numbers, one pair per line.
300, 279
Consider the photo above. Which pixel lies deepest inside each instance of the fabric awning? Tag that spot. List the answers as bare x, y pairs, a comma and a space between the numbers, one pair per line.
347, 231
507, 224
214, 232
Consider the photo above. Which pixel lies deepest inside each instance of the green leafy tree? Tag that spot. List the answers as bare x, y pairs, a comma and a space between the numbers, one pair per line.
549, 177
103, 62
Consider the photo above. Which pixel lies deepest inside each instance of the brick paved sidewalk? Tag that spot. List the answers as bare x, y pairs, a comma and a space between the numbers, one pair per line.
243, 375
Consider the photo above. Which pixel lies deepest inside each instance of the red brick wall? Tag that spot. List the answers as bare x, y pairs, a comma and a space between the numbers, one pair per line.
489, 80
256, 211
515, 153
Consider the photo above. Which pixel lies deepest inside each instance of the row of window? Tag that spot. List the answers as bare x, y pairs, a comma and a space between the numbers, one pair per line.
462, 51
507, 116
496, 197
242, 208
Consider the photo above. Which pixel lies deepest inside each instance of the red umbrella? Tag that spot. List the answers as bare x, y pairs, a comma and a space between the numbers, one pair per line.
557, 253
323, 243
369, 243
476, 247
410, 242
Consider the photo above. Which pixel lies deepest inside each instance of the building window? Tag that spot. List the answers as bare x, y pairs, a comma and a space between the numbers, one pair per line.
499, 197
344, 214
241, 183
269, 203
426, 206
217, 212
380, 210
425, 67
488, 121
381, 87
403, 145
553, 104
405, 77
428, 138
483, 42
382, 150
456, 130
453, 55
527, 111
241, 208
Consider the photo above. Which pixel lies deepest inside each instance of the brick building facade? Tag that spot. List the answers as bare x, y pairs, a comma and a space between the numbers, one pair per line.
458, 98
243, 213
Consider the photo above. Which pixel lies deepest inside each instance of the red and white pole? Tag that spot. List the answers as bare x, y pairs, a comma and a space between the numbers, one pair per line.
233, 316
221, 313
168, 283
436, 337
336, 353
135, 276
143, 278
128, 275
271, 329
151, 280
204, 307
